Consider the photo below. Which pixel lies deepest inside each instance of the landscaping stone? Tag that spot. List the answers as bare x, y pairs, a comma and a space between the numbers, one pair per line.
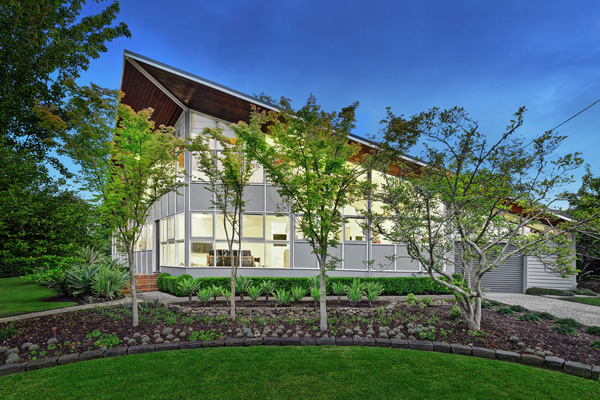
12, 369
381, 342
399, 343
482, 352
533, 360
190, 345
166, 346
596, 372
363, 341
441, 347
253, 342
41, 363
68, 359
147, 348
461, 349
325, 341
308, 342
117, 351
233, 342
554, 363
91, 355
290, 341
423, 345
578, 369
272, 341
508, 356
214, 343
344, 341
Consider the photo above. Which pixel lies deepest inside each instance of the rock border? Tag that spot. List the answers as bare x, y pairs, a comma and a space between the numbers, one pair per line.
548, 362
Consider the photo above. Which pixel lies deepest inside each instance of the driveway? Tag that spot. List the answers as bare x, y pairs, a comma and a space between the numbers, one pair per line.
583, 313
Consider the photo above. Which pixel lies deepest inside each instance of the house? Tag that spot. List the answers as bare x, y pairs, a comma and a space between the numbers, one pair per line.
183, 234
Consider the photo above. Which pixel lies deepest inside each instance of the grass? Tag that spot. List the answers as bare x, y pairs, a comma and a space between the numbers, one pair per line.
594, 301
296, 373
18, 296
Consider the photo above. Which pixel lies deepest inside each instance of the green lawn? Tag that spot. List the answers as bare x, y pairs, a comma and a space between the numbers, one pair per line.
594, 301
296, 373
18, 296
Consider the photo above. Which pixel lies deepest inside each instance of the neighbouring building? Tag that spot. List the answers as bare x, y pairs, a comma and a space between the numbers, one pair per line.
183, 234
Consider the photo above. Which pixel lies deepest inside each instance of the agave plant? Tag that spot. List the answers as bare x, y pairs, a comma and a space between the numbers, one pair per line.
338, 289
315, 293
204, 295
227, 294
189, 286
354, 294
282, 297
267, 287
254, 292
241, 286
216, 291
80, 279
91, 256
108, 283
373, 291
298, 293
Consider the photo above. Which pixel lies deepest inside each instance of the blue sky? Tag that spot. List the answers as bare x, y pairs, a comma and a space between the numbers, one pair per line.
489, 57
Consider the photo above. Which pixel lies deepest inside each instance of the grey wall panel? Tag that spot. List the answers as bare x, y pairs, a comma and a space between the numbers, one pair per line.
171, 203
379, 254
164, 206
255, 198
200, 197
303, 257
355, 256
406, 264
180, 201
274, 201
507, 278
540, 276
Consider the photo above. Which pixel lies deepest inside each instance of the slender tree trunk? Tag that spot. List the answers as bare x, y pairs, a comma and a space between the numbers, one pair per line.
134, 307
322, 300
471, 311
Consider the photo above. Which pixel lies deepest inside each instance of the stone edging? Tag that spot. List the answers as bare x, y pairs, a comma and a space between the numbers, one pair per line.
548, 362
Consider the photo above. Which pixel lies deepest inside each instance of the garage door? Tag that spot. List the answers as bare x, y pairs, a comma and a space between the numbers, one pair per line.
507, 278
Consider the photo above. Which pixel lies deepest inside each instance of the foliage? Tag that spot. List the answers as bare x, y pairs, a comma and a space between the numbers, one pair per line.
107, 340
254, 292
315, 293
8, 332
595, 345
372, 291
530, 317
544, 315
267, 286
505, 311
204, 295
204, 336
354, 294
338, 288
564, 329
160, 281
568, 322
547, 292
308, 157
455, 312
593, 330
80, 278
411, 299
476, 191
108, 283
585, 292
242, 283
518, 308
298, 293
188, 286
427, 301
282, 297
215, 290
487, 305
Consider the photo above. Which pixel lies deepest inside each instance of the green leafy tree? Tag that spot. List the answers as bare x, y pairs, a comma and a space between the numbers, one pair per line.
228, 173
486, 199
308, 155
128, 166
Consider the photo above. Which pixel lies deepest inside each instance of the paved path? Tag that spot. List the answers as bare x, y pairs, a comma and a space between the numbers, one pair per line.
583, 313
63, 310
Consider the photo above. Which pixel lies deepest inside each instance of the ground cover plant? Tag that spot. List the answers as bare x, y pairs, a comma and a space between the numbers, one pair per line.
289, 372
18, 296
416, 319
593, 301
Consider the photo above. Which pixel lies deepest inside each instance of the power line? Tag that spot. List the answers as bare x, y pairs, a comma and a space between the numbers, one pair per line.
564, 122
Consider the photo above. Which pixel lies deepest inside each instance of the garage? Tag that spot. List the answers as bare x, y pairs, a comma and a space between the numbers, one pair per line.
507, 278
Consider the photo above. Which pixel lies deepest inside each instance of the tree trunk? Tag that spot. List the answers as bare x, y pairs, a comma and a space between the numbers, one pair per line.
322, 300
471, 311
134, 307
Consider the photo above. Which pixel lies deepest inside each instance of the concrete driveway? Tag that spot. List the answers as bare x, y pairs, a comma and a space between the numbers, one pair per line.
583, 313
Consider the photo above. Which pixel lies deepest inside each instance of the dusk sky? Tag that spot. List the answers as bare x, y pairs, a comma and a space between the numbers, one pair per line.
489, 57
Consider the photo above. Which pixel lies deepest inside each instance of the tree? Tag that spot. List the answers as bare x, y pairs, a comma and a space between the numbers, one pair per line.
485, 200
128, 166
307, 154
228, 173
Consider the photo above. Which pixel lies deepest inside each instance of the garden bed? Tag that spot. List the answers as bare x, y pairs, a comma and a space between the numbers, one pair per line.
84, 330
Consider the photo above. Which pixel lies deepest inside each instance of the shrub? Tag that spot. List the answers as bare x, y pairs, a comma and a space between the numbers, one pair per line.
585, 292
593, 330
505, 311
427, 301
411, 299
545, 292
455, 312
226, 292
242, 283
214, 289
518, 308
188, 286
530, 317
254, 292
564, 330
109, 283
298, 293
354, 294
174, 285
338, 289
315, 293
544, 315
107, 341
282, 297
267, 287
372, 291
204, 295
160, 281
596, 345
79, 279
487, 305
568, 322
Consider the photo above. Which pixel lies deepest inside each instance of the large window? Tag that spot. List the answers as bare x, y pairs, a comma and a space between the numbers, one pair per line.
202, 225
172, 240
252, 226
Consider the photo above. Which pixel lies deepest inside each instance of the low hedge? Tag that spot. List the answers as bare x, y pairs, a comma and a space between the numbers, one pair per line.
18, 266
537, 291
396, 286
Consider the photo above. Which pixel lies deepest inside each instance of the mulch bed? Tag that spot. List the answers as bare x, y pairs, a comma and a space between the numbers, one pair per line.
72, 330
